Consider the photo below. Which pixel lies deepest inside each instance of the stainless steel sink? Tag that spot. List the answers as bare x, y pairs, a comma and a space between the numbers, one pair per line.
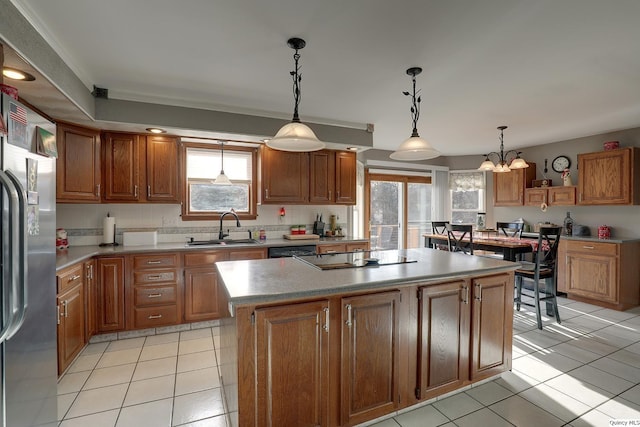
218, 242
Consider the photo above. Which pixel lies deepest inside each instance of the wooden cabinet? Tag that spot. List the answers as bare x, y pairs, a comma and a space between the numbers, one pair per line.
601, 273
293, 386
491, 333
370, 361
90, 297
332, 177
110, 276
319, 177
444, 319
552, 196
140, 168
153, 296
203, 298
508, 187
609, 177
285, 176
254, 253
78, 173
71, 315
327, 248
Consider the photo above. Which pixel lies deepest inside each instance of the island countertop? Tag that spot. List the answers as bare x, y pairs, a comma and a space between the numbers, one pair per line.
269, 280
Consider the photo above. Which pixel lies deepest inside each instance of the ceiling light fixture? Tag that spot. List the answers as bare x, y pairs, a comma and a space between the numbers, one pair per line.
295, 136
16, 74
502, 163
156, 130
222, 179
414, 148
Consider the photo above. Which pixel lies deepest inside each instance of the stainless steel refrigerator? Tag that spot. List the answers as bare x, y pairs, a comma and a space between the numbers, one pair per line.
27, 268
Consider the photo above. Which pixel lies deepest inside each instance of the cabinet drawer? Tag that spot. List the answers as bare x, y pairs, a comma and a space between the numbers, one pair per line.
154, 276
150, 317
243, 254
69, 277
357, 247
154, 295
154, 261
205, 258
328, 249
598, 248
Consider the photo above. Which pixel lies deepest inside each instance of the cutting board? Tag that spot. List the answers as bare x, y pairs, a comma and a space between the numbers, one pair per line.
301, 236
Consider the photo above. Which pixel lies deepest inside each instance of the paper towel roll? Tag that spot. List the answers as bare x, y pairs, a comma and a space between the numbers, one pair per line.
108, 229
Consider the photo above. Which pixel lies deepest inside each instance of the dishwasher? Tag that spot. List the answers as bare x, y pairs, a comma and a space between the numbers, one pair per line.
289, 251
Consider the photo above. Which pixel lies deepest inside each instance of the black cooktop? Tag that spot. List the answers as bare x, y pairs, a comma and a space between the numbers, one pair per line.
338, 260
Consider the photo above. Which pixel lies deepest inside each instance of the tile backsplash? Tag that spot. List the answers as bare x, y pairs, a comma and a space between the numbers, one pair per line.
83, 222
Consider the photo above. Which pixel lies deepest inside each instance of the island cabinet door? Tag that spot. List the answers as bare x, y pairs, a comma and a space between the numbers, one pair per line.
369, 378
491, 325
444, 318
292, 347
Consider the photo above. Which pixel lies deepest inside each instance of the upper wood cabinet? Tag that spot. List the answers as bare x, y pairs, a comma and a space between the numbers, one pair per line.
285, 176
318, 177
78, 176
140, 168
552, 196
609, 177
508, 187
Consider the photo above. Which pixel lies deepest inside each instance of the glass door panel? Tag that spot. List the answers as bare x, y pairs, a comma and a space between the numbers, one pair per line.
385, 214
418, 213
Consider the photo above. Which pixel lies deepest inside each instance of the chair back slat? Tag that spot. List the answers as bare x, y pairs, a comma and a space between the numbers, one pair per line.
546, 254
456, 234
439, 227
510, 229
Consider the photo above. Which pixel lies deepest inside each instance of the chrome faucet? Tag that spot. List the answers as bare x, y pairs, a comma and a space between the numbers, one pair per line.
221, 234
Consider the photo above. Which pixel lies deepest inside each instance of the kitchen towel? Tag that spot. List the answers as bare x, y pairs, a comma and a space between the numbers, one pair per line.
108, 229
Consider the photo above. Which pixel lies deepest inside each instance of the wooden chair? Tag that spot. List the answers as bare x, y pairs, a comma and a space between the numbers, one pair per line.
439, 227
510, 229
544, 268
456, 233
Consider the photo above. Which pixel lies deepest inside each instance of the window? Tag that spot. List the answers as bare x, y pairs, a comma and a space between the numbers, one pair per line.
467, 195
205, 200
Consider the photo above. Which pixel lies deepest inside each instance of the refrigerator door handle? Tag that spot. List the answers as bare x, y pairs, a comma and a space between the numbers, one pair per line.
19, 255
7, 289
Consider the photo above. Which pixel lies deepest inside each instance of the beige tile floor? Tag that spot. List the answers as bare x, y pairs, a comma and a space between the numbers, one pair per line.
583, 372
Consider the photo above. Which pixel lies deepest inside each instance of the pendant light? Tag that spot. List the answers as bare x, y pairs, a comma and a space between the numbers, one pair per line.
296, 136
502, 163
414, 148
222, 179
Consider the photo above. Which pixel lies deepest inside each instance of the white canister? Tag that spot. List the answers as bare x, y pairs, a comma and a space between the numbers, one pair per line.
481, 221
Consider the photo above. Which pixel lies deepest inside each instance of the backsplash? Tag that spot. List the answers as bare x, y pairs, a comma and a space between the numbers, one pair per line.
83, 222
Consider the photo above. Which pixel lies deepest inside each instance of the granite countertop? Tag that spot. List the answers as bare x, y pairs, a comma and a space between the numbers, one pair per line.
269, 280
76, 254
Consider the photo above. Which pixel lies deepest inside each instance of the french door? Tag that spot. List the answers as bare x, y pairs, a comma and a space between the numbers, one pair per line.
398, 210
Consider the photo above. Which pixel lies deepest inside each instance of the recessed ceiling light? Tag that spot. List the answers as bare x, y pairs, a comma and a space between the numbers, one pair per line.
352, 148
15, 74
156, 130
266, 140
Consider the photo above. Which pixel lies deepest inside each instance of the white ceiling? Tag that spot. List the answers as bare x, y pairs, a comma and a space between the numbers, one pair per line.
550, 70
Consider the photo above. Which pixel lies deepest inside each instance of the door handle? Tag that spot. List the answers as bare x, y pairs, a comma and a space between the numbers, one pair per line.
326, 319
11, 236
348, 322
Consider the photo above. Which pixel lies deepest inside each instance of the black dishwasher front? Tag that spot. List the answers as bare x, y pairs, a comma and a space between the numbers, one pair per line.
289, 251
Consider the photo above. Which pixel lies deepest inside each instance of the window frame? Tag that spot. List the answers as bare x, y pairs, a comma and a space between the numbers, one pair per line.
187, 214
482, 196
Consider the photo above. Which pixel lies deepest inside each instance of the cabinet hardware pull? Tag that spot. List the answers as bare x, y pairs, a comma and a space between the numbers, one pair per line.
588, 247
74, 277
348, 322
329, 194
58, 313
148, 191
155, 277
466, 294
66, 308
331, 251
90, 271
337, 194
326, 319
154, 295
154, 262
98, 191
155, 316
479, 293
266, 193
135, 191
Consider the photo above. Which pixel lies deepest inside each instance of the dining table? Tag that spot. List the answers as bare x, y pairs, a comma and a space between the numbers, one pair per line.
510, 247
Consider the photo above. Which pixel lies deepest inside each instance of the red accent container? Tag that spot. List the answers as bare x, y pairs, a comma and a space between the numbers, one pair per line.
604, 232
611, 145
9, 90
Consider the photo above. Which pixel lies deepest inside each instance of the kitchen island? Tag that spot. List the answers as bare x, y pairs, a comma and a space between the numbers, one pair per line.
338, 347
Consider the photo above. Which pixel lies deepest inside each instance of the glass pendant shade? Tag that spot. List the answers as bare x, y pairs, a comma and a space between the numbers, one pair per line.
518, 163
502, 158
415, 148
222, 179
487, 165
295, 136
500, 168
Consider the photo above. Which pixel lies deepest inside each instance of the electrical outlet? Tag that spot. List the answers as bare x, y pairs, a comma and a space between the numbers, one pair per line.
169, 221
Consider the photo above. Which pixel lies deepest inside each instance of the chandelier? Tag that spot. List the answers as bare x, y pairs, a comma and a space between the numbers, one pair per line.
505, 161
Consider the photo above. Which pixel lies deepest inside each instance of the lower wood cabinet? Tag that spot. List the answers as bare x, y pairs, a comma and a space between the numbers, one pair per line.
202, 295
444, 322
292, 386
370, 346
90, 297
110, 295
328, 248
71, 315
